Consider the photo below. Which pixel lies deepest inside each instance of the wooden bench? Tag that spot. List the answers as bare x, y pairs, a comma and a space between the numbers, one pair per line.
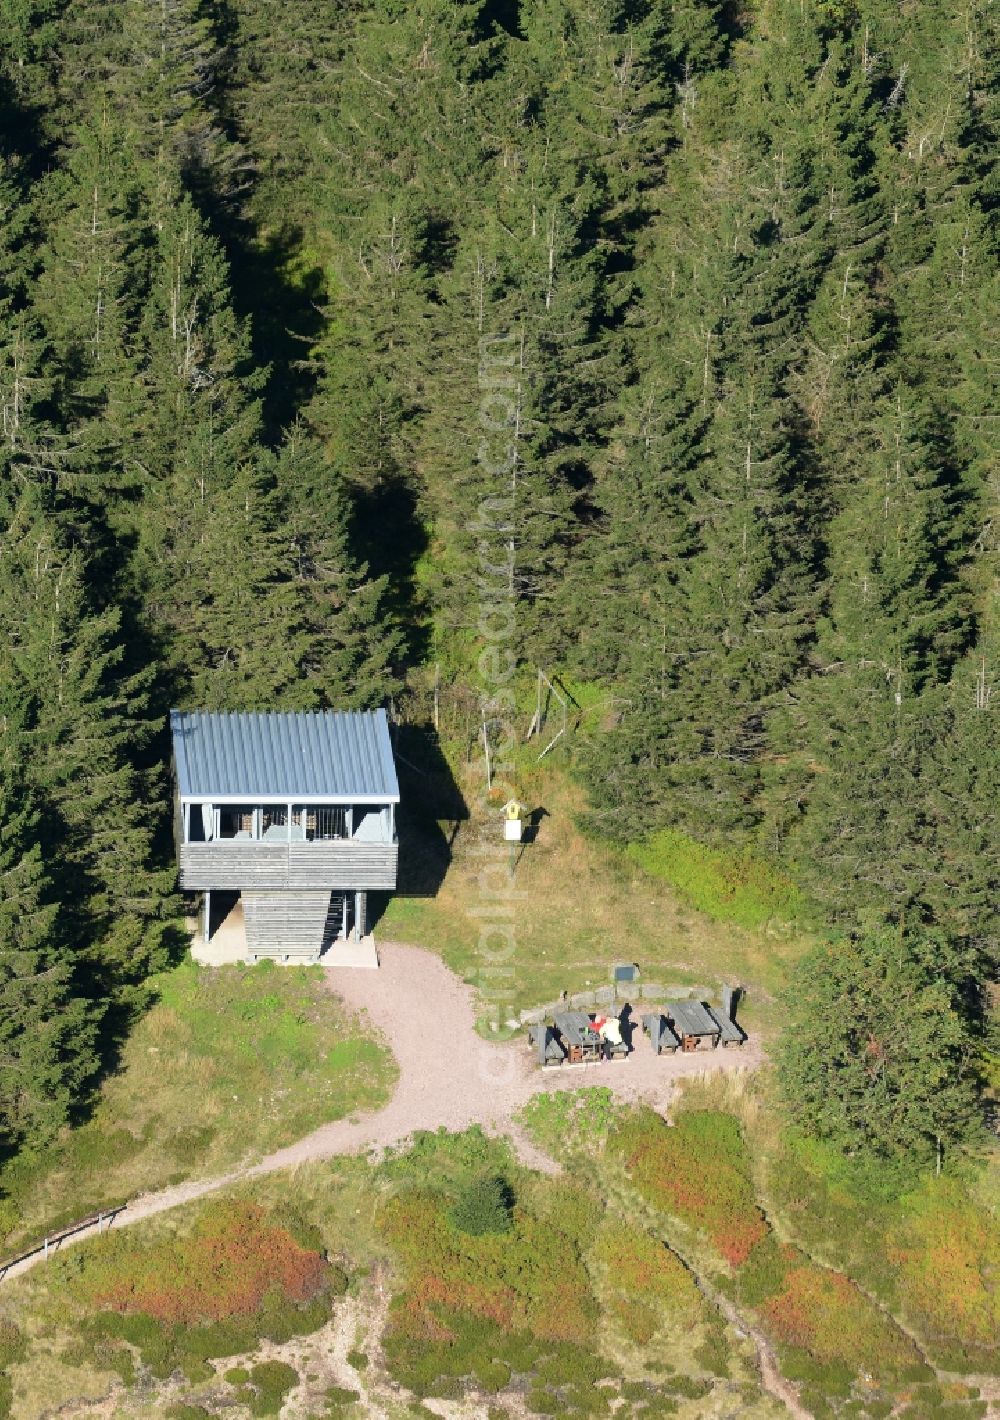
660, 1035
547, 1045
729, 1031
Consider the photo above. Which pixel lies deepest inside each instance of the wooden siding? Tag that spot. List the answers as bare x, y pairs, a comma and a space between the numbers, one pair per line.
238, 866
285, 925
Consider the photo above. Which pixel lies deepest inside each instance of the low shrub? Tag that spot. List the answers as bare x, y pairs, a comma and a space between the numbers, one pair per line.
106, 1356
688, 1387
637, 1320
357, 1359
713, 1353
571, 1120
236, 1278
818, 1406
565, 1363
270, 1382
584, 1401
573, 1211
823, 1314
233, 1257
641, 1266
732, 887
486, 1205
947, 1250
339, 1398
443, 1161
530, 1279
492, 1376
697, 1170
763, 1273
13, 1347
659, 1406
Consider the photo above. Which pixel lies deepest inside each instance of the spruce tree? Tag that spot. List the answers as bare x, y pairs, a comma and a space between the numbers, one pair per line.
47, 1037
351, 646
877, 1055
47, 1034
85, 729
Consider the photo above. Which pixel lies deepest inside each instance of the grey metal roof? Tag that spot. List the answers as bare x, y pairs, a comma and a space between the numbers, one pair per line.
328, 754
690, 1018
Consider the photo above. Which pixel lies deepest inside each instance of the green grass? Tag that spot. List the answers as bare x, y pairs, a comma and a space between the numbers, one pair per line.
581, 904
231, 1062
729, 887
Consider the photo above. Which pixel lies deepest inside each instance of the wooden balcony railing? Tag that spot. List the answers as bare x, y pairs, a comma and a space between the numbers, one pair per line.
237, 864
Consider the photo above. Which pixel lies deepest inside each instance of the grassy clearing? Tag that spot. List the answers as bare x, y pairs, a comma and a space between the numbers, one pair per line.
581, 904
230, 1062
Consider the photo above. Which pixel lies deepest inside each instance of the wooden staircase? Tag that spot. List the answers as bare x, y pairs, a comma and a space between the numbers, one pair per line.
286, 926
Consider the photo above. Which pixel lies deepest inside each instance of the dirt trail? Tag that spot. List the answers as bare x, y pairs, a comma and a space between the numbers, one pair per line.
449, 1077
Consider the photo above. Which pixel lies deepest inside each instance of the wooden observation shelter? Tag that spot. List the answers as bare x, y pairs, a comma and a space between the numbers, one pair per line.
294, 814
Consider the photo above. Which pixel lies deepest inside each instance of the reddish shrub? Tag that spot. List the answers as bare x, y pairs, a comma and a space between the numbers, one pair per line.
824, 1313
699, 1171
530, 1279
231, 1260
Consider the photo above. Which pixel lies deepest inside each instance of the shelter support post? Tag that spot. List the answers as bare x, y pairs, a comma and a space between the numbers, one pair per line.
206, 904
360, 915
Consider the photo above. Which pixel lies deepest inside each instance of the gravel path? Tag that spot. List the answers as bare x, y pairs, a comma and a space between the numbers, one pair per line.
449, 1077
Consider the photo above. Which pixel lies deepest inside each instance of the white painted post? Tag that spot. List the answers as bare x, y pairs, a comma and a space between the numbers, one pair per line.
207, 904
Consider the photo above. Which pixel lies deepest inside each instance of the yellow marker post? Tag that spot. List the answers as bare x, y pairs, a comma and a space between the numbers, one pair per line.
513, 828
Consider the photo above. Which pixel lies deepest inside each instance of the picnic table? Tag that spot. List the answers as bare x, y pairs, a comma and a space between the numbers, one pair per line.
692, 1022
579, 1037
661, 1037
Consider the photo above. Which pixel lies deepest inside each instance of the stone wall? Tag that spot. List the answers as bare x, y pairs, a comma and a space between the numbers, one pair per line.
607, 996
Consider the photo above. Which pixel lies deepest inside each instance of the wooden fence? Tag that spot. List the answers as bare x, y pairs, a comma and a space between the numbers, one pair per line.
52, 1240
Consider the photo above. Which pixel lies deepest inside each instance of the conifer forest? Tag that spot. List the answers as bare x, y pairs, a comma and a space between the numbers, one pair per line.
742, 258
